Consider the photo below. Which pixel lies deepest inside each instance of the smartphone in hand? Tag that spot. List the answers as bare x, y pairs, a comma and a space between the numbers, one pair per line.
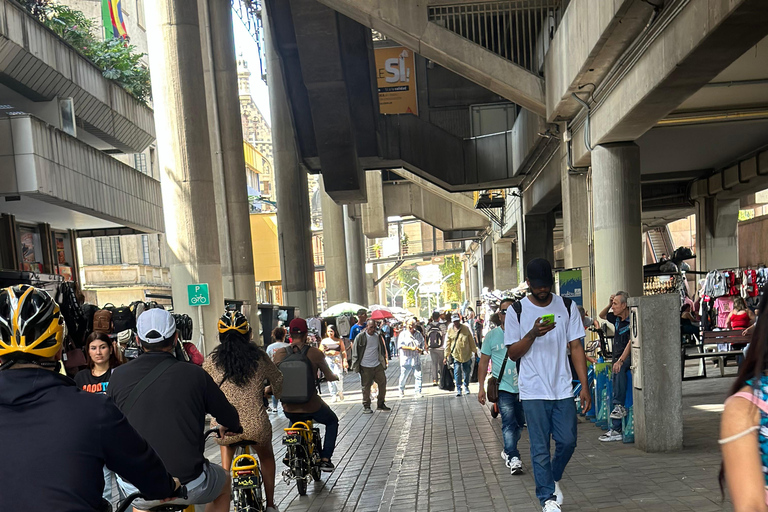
547, 319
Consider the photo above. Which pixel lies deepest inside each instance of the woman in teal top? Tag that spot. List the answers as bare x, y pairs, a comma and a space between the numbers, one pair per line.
510, 407
744, 426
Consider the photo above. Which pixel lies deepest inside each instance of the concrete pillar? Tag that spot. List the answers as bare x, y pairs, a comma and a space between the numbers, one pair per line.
474, 285
373, 215
334, 248
353, 236
239, 252
191, 227
576, 229
616, 203
504, 265
297, 267
539, 238
717, 241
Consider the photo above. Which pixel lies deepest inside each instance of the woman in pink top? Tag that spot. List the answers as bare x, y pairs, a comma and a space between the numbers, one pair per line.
741, 316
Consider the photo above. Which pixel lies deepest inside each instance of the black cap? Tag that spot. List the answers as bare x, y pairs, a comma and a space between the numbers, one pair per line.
539, 273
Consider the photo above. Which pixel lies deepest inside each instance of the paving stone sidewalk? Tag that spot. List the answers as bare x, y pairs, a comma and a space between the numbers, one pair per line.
442, 453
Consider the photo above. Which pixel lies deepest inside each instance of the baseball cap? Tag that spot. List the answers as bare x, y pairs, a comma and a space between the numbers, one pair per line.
539, 273
455, 317
155, 325
298, 326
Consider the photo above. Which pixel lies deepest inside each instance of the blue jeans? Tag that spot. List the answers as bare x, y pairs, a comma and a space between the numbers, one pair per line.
555, 419
512, 421
328, 418
457, 369
405, 372
619, 391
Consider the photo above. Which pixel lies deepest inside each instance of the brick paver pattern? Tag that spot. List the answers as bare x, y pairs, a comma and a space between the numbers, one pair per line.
442, 453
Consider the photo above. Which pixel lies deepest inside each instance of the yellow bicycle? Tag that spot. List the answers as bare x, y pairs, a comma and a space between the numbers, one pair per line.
302, 443
246, 480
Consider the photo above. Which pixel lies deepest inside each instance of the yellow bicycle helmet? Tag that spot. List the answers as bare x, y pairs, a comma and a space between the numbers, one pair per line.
30, 323
233, 321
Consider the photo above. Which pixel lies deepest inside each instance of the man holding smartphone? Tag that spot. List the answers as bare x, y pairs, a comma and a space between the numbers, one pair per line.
538, 332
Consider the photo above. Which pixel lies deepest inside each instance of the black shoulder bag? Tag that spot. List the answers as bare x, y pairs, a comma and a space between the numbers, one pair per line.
144, 383
493, 383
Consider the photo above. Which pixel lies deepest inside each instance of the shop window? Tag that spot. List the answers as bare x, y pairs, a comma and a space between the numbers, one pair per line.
145, 248
108, 250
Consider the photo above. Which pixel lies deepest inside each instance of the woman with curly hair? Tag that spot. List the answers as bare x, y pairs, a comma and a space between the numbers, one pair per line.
240, 368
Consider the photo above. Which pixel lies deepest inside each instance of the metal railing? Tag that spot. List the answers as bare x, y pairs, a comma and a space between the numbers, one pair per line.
517, 30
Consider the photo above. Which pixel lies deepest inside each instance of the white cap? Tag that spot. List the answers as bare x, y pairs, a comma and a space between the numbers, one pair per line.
155, 325
455, 317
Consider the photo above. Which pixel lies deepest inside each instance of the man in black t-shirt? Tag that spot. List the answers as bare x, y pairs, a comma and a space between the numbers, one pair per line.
617, 313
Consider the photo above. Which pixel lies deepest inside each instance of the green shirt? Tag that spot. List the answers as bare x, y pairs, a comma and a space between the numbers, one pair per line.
493, 346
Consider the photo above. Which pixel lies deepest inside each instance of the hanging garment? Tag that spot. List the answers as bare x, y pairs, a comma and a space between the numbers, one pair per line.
723, 305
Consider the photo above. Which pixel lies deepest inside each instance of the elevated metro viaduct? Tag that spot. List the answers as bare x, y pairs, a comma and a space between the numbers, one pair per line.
602, 119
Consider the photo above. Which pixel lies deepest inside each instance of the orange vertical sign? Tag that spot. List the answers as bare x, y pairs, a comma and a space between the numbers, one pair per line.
396, 80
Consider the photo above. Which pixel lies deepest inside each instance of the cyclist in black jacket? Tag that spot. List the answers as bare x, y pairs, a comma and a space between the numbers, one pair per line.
170, 413
58, 437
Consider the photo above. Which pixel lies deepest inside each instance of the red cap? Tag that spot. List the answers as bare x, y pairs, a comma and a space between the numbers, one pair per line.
298, 326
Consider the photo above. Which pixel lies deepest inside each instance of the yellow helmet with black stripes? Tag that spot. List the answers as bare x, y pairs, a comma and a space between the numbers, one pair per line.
233, 321
30, 323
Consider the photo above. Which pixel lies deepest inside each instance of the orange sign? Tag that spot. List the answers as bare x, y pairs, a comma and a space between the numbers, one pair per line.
396, 80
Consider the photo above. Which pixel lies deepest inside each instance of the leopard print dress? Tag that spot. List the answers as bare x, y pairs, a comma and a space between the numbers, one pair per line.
249, 402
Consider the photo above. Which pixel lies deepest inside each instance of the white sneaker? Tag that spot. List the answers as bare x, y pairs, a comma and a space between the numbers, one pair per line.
611, 435
558, 494
515, 466
551, 506
334, 399
401, 393
505, 457
618, 412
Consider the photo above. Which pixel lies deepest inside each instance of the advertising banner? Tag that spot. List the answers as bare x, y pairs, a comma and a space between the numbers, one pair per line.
569, 285
396, 80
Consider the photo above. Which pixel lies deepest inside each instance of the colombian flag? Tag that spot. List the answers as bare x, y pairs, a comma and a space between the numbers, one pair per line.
112, 17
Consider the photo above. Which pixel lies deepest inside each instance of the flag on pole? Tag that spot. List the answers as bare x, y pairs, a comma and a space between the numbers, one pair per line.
112, 18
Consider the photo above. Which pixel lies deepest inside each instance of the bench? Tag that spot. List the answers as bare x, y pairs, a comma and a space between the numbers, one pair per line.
710, 340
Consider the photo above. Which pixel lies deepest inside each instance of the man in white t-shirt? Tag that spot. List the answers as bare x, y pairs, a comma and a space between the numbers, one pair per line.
541, 342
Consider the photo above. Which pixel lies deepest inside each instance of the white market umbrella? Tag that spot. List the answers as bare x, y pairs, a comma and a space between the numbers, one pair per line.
342, 308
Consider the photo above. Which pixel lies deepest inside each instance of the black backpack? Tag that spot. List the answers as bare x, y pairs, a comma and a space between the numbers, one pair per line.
299, 378
88, 311
123, 319
434, 336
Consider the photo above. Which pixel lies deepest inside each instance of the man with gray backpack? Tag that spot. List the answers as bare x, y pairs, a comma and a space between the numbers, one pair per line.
299, 364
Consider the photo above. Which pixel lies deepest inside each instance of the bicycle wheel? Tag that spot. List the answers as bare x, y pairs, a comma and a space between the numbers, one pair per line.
316, 474
301, 486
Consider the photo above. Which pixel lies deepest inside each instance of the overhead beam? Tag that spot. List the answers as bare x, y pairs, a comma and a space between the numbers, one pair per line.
406, 22
703, 39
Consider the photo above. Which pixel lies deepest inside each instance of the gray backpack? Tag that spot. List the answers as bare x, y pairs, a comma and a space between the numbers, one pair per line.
299, 379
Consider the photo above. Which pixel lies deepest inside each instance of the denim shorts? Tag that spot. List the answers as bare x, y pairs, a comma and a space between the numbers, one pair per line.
203, 489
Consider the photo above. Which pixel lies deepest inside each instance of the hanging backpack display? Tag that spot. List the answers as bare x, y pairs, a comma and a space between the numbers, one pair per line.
102, 321
299, 378
123, 319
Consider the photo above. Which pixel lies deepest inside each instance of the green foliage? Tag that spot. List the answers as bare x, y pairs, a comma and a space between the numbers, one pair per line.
452, 285
409, 277
117, 59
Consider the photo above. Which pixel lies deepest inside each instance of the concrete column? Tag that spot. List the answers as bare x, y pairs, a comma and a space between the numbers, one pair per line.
373, 215
474, 285
504, 265
616, 204
191, 227
297, 267
334, 248
717, 241
539, 238
576, 229
239, 252
353, 236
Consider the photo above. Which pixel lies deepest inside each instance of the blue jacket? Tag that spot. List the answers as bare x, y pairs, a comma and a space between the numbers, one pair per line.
58, 438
